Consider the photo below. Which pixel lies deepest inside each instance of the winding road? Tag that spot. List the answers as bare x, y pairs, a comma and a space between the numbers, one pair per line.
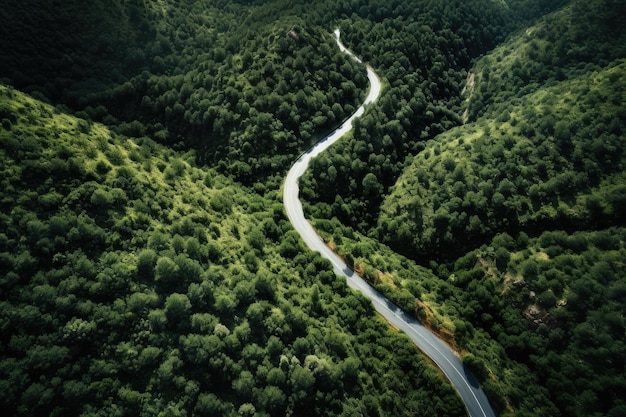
441, 354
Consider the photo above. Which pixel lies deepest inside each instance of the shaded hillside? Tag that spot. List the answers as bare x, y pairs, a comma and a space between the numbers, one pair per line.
67, 51
231, 80
246, 85
134, 280
135, 283
582, 38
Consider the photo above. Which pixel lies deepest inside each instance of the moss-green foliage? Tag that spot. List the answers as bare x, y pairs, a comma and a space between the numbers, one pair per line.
136, 283
581, 38
570, 290
542, 317
425, 55
553, 159
555, 306
250, 84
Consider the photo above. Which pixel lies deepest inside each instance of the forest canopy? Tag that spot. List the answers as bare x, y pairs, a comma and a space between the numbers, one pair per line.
146, 263
123, 296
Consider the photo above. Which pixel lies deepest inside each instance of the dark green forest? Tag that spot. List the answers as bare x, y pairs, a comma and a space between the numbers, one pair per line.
219, 77
147, 266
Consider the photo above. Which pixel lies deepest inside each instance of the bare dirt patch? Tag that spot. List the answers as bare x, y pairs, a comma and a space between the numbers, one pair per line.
468, 90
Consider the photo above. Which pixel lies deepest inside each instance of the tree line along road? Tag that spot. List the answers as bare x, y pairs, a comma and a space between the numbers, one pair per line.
442, 355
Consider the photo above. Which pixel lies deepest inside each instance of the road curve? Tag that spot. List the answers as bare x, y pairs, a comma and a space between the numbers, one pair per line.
444, 357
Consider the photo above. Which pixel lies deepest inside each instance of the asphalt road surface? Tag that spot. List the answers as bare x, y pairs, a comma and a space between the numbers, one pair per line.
441, 354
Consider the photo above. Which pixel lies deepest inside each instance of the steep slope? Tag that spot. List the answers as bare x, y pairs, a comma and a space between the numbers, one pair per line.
552, 160
246, 85
549, 142
136, 283
422, 49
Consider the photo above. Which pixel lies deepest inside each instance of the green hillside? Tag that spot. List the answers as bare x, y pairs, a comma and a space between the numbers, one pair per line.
137, 283
553, 159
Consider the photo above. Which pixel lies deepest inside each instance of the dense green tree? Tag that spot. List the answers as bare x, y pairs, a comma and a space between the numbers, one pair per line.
177, 307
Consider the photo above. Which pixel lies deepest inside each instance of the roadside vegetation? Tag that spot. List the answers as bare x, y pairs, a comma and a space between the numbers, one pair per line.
246, 85
510, 227
136, 283
146, 263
